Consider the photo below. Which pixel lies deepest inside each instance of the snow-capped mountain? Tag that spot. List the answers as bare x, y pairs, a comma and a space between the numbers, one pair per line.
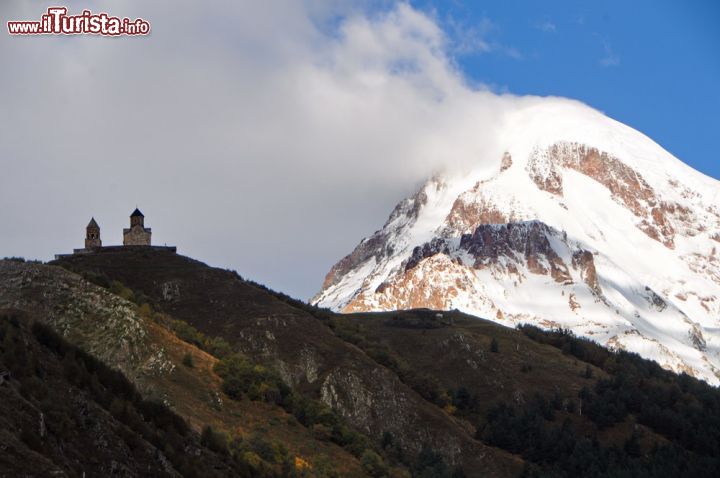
575, 221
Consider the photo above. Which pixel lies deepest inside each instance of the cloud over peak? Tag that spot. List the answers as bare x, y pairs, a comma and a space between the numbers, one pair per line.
266, 137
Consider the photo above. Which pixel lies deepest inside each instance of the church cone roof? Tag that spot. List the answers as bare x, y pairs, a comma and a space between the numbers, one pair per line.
92, 223
136, 213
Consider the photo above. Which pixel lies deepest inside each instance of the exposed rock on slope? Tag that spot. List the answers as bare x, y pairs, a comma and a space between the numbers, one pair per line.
100, 322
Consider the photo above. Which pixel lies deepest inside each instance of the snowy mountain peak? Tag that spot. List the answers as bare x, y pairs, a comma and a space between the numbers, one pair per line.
577, 221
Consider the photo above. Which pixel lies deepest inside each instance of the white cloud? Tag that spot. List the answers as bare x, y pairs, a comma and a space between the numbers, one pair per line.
470, 39
477, 38
263, 136
610, 58
546, 26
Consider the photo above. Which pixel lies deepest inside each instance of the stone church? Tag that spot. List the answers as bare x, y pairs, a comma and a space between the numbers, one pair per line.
137, 235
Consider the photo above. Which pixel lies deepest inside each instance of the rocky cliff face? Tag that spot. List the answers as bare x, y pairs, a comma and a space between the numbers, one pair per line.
575, 221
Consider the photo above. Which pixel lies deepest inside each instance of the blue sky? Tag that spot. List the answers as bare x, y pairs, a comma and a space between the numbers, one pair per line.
654, 65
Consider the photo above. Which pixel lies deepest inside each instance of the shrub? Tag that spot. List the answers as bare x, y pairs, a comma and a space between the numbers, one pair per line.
430, 464
188, 360
387, 439
98, 279
15, 259
117, 288
215, 346
373, 464
322, 432
215, 441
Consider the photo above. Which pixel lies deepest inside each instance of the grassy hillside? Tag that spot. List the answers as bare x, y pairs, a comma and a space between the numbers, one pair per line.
306, 353
67, 414
438, 394
566, 405
166, 369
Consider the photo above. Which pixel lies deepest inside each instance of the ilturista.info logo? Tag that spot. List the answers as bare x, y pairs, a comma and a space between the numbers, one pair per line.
56, 21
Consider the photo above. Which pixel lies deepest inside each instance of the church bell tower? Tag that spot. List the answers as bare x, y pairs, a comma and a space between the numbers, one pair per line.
92, 235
